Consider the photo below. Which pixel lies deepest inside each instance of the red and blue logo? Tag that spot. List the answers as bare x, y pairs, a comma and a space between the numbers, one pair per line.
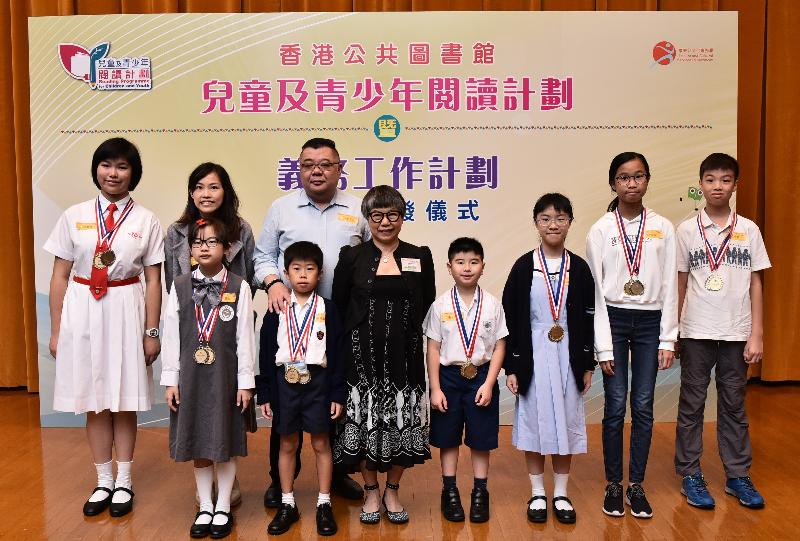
102, 72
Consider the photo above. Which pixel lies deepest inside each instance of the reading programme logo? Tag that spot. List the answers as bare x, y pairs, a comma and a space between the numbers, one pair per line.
664, 53
101, 72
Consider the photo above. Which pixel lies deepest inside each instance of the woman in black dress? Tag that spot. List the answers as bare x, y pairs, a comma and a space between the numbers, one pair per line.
384, 288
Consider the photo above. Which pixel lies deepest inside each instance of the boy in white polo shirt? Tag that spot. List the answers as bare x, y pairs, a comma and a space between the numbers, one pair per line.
720, 259
466, 330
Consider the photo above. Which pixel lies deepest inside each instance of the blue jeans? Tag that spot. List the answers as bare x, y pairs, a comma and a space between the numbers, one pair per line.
635, 332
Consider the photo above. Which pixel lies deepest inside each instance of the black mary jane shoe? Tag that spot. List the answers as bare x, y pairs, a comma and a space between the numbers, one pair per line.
537, 515
326, 524
451, 505
564, 516
272, 497
121, 509
284, 518
91, 509
200, 530
479, 505
218, 531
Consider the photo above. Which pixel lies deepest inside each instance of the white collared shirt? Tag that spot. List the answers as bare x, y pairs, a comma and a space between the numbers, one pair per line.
724, 314
441, 325
658, 272
245, 338
315, 354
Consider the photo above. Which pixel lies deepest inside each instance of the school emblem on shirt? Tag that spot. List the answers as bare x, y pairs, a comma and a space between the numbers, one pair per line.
487, 325
320, 335
226, 312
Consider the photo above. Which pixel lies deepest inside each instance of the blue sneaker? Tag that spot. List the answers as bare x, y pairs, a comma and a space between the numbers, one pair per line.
694, 488
743, 489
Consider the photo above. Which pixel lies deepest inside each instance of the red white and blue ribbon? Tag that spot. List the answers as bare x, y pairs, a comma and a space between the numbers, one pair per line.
468, 339
715, 258
633, 250
105, 237
299, 333
207, 322
555, 294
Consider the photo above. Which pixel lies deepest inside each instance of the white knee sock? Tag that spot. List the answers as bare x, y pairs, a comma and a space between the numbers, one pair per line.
537, 489
204, 478
561, 490
226, 473
105, 478
123, 480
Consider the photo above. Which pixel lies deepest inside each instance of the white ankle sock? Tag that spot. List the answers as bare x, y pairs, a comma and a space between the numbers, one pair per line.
537, 489
204, 478
105, 478
226, 473
288, 497
123, 480
323, 498
561, 490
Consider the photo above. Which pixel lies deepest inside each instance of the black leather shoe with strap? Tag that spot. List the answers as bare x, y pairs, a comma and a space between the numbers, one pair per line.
91, 509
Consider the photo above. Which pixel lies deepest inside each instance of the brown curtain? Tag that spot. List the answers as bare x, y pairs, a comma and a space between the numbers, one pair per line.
768, 144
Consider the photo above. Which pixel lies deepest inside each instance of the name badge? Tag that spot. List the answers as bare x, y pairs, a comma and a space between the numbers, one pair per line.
84, 226
737, 235
653, 234
410, 264
448, 316
228, 297
349, 218
320, 319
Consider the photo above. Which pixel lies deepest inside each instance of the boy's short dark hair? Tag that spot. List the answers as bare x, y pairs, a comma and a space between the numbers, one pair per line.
302, 251
220, 231
559, 202
719, 161
464, 244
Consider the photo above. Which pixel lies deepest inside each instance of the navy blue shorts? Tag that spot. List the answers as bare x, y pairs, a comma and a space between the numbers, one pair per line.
301, 407
480, 423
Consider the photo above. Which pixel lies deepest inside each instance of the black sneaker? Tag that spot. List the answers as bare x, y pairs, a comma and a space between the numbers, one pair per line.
640, 507
612, 504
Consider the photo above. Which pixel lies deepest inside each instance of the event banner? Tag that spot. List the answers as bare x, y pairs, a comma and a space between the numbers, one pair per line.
471, 115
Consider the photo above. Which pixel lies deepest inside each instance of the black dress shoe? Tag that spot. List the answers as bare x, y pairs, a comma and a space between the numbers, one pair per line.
121, 509
537, 515
479, 505
326, 524
218, 531
284, 518
566, 516
345, 487
200, 530
91, 509
451, 505
272, 497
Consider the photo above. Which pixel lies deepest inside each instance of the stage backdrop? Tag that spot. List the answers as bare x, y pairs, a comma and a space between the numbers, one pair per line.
471, 115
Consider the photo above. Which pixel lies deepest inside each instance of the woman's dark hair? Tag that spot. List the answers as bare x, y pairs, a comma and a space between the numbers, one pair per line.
463, 245
220, 230
720, 162
616, 163
114, 149
382, 197
227, 213
302, 250
559, 202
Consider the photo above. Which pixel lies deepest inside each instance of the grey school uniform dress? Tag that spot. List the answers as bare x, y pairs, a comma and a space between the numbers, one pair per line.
208, 423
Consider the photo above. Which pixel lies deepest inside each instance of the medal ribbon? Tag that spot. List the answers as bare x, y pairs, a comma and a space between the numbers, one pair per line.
633, 250
207, 323
299, 334
715, 260
467, 340
555, 296
105, 237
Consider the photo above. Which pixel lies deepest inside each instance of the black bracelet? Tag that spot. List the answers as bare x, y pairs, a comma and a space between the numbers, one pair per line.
272, 283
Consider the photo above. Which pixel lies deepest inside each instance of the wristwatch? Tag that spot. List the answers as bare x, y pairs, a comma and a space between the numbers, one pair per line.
152, 333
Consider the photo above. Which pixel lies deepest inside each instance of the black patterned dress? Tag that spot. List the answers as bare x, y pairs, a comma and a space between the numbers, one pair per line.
386, 415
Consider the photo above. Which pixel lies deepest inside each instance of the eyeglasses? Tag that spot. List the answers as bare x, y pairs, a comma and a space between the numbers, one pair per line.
325, 166
638, 178
545, 221
211, 242
378, 217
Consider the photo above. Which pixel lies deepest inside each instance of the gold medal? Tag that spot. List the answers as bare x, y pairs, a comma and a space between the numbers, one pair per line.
97, 261
305, 377
714, 282
204, 355
211, 355
634, 287
291, 375
469, 370
108, 257
556, 333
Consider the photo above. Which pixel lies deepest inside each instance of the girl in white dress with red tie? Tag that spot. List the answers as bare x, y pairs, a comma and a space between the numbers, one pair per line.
104, 320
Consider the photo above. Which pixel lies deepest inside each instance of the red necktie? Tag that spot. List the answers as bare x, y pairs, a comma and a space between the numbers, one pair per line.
98, 281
